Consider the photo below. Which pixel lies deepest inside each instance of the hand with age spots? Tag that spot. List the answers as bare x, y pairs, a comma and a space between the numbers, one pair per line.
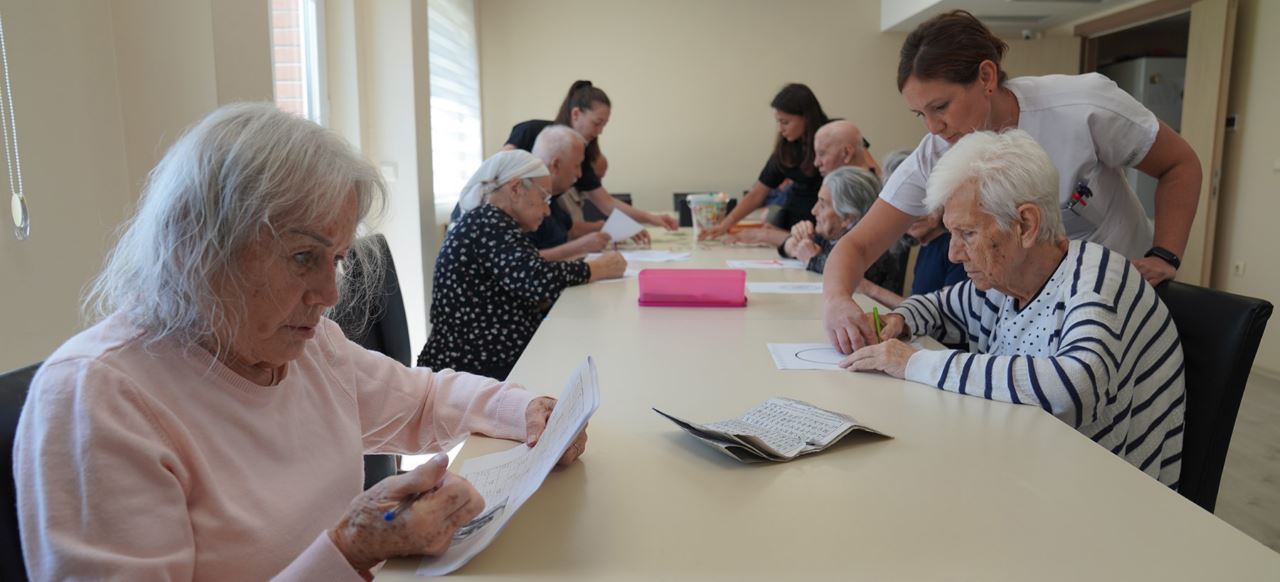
448, 501
890, 357
536, 417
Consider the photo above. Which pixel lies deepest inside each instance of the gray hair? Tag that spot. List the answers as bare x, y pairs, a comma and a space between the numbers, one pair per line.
554, 140
893, 160
1009, 169
853, 191
243, 170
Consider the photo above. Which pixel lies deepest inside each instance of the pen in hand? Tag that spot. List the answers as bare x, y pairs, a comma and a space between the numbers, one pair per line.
875, 316
404, 504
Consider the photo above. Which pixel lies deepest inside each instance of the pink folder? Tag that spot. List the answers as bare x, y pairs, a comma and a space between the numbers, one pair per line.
693, 288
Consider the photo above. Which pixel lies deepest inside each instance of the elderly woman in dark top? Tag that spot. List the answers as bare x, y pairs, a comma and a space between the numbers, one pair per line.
491, 287
844, 198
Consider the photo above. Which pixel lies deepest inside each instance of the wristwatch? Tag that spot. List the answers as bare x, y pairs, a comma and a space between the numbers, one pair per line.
1165, 255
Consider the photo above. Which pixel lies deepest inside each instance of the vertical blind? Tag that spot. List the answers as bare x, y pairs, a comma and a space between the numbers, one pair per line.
456, 149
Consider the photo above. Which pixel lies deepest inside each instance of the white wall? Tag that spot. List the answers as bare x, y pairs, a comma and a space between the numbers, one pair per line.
1250, 191
101, 89
378, 89
691, 81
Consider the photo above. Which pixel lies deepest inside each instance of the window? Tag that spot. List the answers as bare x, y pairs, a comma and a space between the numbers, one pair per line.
456, 149
296, 57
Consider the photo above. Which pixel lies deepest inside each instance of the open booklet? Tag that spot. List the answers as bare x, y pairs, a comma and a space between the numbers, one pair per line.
509, 478
779, 429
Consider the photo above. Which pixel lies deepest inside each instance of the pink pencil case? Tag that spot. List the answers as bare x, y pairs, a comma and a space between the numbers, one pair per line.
693, 288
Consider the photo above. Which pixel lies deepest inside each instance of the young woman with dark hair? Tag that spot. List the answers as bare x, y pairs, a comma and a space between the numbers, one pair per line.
586, 109
799, 115
949, 74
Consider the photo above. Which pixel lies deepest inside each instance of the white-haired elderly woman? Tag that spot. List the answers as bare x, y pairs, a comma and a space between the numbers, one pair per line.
211, 425
1069, 326
844, 198
491, 288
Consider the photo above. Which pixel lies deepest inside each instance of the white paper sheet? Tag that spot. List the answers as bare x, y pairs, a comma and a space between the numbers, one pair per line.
820, 356
621, 227
766, 264
509, 478
783, 287
649, 256
631, 273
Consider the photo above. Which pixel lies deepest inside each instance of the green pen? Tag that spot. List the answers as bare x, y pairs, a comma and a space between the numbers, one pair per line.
875, 316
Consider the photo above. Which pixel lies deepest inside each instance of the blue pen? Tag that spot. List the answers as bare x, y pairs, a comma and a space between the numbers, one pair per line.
404, 504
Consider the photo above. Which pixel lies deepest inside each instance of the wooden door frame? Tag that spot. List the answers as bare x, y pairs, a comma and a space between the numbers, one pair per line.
1090, 30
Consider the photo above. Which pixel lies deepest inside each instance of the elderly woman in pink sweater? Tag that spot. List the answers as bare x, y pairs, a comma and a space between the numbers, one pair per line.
211, 424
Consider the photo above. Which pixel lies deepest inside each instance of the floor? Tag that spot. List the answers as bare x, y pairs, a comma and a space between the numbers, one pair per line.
1249, 496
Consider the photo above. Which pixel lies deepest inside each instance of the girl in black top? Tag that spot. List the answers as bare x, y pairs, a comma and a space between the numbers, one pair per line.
799, 115
586, 109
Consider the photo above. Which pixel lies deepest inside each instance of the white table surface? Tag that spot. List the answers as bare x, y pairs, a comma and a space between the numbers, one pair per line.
967, 490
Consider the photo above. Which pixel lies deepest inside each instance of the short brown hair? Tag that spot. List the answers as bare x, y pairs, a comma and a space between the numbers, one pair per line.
949, 47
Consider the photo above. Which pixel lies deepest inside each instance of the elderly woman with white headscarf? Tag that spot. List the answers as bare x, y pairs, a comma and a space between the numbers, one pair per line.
844, 198
211, 425
1069, 326
491, 287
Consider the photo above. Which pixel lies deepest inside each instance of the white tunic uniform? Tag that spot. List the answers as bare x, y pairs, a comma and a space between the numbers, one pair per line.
1092, 130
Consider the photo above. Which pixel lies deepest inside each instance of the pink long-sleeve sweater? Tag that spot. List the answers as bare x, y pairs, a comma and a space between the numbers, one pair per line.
139, 462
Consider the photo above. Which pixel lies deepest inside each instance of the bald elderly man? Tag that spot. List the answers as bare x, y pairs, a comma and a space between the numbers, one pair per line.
840, 143
837, 144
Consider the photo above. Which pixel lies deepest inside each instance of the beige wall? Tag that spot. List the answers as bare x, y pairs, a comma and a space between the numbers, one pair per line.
691, 81
100, 90
1250, 192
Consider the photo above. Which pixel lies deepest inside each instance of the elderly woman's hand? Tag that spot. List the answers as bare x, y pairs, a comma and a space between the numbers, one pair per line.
892, 326
806, 249
890, 357
448, 501
802, 230
536, 417
642, 238
716, 231
607, 266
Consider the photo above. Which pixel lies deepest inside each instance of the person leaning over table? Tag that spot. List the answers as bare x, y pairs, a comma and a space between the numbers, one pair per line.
586, 108
561, 149
949, 75
837, 144
1069, 326
210, 426
799, 115
491, 288
843, 200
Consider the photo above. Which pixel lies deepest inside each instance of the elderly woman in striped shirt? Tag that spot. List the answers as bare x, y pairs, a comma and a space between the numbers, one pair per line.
1069, 326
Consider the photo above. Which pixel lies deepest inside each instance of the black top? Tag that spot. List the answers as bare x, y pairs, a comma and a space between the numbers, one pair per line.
933, 269
524, 134
800, 199
490, 292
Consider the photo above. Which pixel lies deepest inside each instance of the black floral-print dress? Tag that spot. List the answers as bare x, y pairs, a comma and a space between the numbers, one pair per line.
490, 291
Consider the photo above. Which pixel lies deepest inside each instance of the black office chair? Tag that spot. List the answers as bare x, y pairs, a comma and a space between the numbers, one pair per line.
1220, 333
13, 393
592, 213
379, 324
680, 202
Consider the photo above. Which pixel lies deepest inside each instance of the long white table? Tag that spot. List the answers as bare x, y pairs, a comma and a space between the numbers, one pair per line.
966, 490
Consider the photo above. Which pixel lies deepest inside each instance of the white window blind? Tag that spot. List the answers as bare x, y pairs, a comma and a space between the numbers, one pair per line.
456, 149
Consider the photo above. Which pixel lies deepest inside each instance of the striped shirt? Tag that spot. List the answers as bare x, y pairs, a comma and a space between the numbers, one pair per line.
1095, 348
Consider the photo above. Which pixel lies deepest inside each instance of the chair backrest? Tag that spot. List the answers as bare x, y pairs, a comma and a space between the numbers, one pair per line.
13, 393
381, 324
592, 213
680, 203
1220, 333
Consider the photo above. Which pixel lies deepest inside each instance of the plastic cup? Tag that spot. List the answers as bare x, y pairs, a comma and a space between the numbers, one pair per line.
707, 210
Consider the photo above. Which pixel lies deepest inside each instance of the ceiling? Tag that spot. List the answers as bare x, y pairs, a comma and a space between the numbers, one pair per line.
1004, 17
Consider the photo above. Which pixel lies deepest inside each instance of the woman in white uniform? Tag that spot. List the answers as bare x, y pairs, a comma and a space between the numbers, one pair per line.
949, 75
